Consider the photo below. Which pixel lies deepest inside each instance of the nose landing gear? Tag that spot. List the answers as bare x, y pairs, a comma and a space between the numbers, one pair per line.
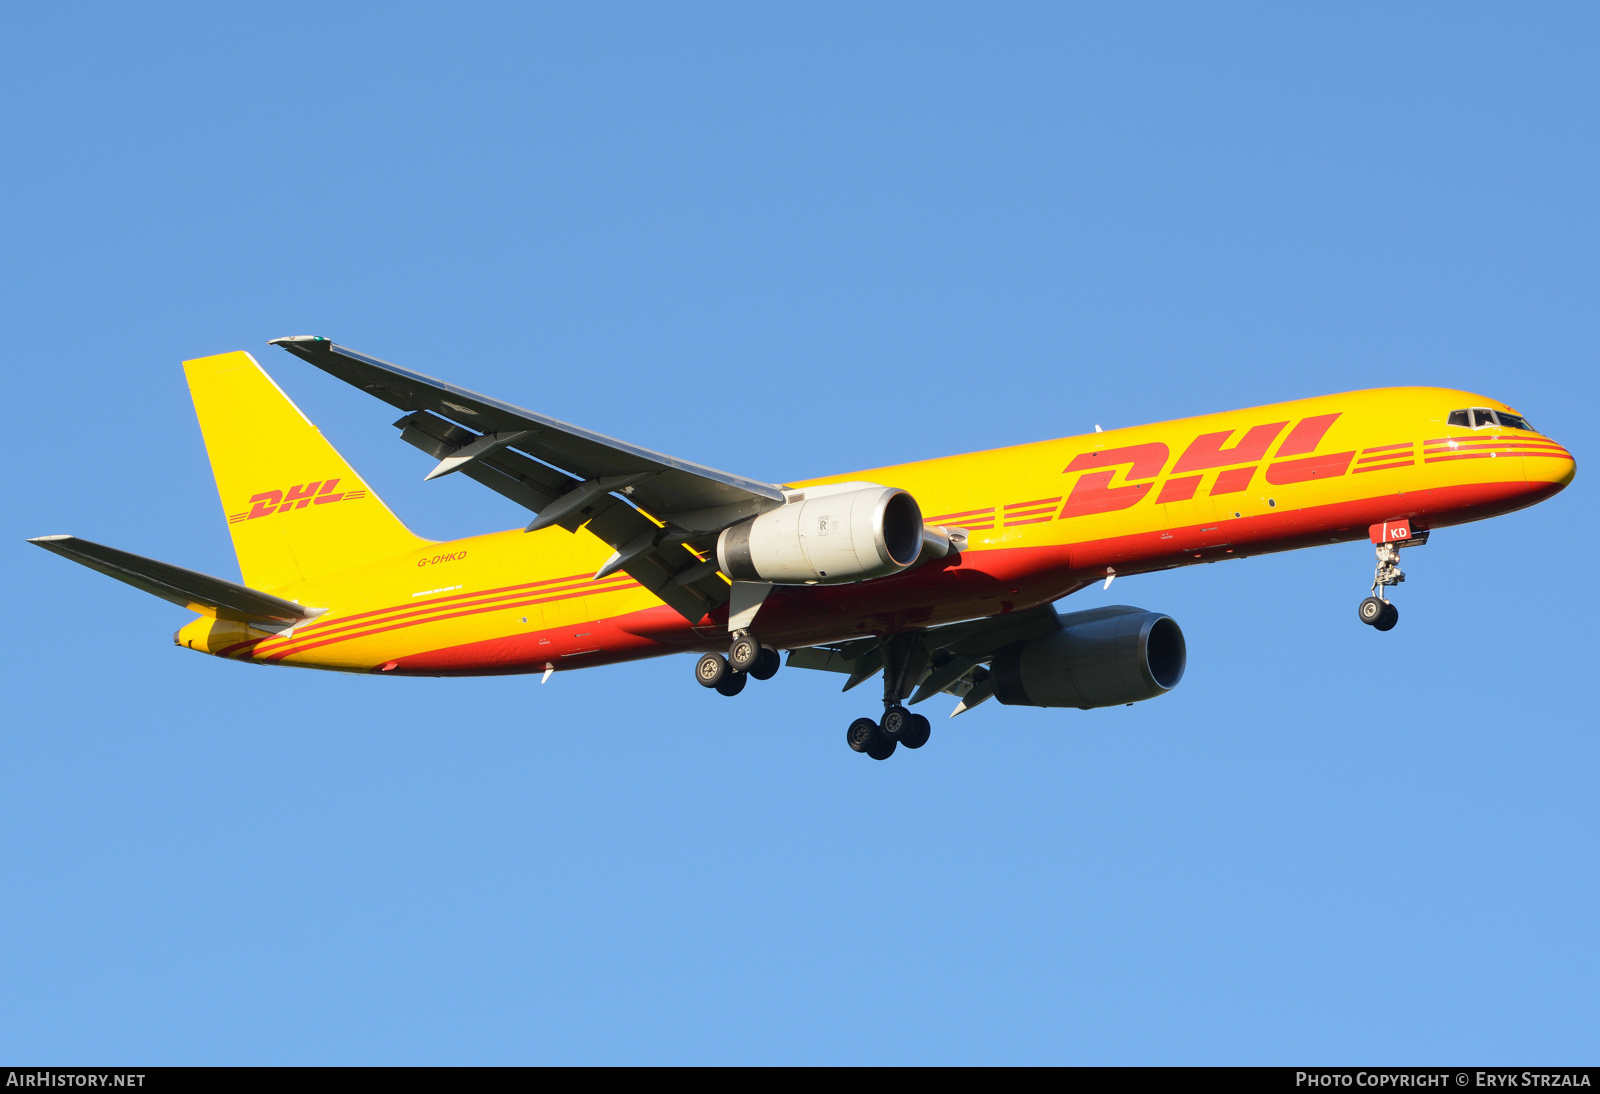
1376, 611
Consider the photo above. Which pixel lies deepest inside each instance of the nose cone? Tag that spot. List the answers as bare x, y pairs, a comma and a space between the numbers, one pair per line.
1548, 465
1496, 463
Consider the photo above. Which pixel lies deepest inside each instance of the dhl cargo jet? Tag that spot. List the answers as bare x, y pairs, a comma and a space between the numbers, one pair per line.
633, 554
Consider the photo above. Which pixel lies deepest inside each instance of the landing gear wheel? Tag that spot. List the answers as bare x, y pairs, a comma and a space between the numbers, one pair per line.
917, 733
896, 720
732, 684
711, 670
767, 664
1391, 616
744, 653
1373, 611
882, 750
862, 734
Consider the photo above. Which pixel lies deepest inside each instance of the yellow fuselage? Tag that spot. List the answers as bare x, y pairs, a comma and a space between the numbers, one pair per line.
1043, 520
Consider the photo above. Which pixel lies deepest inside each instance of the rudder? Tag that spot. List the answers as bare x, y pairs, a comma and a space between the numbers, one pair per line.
296, 509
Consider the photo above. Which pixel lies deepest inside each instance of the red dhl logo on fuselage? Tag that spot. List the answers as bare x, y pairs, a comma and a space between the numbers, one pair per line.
271, 502
1234, 466
1093, 492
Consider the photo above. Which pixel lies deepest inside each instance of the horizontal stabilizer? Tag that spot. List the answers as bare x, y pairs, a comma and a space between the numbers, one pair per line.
196, 591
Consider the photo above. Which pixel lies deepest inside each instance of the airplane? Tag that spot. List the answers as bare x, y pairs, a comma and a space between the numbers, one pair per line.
632, 553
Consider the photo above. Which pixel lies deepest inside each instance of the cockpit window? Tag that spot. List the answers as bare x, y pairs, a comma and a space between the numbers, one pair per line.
1481, 418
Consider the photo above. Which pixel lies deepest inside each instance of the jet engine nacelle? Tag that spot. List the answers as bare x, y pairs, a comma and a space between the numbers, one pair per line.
1099, 658
836, 534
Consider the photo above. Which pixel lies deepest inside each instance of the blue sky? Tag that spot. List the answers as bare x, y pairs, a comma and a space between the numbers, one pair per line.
789, 241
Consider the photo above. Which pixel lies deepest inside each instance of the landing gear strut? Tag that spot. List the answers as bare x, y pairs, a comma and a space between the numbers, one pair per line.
1376, 611
903, 662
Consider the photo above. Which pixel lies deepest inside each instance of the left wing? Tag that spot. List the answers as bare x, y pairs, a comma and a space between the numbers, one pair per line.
661, 534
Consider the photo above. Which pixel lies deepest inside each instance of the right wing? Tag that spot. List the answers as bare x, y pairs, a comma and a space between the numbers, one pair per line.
663, 539
946, 659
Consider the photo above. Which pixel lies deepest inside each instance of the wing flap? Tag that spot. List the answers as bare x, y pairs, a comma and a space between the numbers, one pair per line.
536, 487
621, 526
526, 482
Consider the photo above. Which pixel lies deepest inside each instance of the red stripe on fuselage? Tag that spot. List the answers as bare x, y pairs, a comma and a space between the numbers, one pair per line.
986, 582
411, 615
387, 625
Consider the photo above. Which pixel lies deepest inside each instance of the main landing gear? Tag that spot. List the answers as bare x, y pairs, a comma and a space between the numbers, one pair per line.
880, 739
746, 658
903, 662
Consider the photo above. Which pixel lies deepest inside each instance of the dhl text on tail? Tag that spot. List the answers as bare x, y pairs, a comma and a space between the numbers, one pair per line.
941, 575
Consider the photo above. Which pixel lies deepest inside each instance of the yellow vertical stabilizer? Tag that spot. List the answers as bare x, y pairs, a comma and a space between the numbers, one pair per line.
295, 508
